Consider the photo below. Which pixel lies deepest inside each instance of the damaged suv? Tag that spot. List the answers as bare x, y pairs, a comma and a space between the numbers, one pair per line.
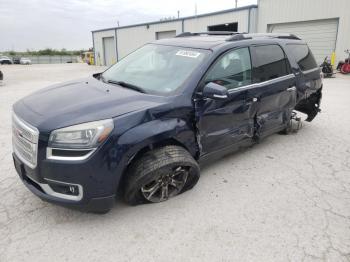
141, 128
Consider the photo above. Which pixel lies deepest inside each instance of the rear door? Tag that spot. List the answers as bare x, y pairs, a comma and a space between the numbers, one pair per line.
222, 123
274, 88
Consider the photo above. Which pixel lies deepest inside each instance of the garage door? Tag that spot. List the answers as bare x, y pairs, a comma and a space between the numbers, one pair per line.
320, 35
165, 34
109, 51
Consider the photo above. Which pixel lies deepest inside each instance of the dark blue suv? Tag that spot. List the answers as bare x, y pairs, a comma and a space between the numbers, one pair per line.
141, 128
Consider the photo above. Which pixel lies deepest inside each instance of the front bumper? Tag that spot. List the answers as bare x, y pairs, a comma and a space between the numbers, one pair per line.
96, 195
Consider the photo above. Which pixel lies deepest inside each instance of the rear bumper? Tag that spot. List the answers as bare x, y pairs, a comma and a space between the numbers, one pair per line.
86, 203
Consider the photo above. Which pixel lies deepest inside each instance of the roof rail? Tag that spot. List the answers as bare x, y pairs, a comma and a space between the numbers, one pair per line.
235, 36
274, 35
238, 37
185, 34
290, 36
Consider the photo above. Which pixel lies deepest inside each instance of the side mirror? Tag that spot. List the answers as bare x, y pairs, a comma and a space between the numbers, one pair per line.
97, 75
215, 91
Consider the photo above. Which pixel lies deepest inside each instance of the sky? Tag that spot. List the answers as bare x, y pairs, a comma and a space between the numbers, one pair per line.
39, 24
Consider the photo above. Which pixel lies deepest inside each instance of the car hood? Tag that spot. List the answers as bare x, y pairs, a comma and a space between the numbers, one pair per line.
80, 101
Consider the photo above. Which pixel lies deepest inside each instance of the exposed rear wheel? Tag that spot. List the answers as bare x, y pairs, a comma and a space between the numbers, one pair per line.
161, 174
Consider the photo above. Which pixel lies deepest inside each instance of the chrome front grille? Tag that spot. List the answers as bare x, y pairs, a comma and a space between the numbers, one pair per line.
25, 141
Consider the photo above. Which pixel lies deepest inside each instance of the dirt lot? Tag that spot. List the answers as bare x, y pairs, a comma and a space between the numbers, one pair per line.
285, 199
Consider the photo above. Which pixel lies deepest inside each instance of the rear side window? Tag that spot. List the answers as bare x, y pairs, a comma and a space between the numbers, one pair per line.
303, 56
269, 62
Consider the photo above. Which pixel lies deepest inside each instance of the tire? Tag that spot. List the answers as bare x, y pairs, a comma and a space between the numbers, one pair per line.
169, 166
289, 126
100, 212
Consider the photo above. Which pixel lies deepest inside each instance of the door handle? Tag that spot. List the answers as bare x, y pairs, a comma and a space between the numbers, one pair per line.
252, 100
290, 89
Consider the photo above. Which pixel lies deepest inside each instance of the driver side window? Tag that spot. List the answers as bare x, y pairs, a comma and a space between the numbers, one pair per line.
232, 70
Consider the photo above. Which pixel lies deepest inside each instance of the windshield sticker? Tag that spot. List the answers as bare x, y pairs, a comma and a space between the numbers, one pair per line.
186, 53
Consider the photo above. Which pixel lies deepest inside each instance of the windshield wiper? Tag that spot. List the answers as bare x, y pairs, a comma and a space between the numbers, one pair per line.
127, 85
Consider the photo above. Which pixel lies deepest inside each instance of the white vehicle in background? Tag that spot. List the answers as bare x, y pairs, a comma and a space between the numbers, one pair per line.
25, 61
5, 60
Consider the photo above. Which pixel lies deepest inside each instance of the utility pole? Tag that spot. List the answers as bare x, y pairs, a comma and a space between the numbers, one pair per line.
236, 3
178, 14
195, 9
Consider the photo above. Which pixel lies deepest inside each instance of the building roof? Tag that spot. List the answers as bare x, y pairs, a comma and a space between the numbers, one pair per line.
182, 18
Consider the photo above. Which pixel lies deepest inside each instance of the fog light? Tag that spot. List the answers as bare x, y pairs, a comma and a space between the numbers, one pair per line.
71, 190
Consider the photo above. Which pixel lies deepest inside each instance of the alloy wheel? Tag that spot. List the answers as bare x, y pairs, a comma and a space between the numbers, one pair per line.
166, 185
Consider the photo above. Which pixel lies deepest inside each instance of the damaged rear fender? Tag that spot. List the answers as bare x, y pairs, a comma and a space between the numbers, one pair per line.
310, 105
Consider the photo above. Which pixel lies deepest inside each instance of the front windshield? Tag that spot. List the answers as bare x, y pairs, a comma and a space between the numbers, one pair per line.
156, 68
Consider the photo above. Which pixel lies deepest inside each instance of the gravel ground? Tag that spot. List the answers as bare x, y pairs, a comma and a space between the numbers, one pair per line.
285, 199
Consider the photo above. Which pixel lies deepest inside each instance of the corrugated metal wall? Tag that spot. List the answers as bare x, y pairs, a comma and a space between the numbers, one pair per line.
98, 44
269, 12
200, 24
284, 11
320, 35
133, 37
253, 17
109, 51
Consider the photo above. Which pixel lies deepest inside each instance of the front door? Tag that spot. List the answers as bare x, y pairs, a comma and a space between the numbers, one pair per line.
221, 123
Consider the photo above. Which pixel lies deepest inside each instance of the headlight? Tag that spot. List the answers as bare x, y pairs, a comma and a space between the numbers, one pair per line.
87, 135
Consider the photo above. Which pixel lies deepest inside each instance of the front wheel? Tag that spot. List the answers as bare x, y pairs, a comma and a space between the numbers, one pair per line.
161, 174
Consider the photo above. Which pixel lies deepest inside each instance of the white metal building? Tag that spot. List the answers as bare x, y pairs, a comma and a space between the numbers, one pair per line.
112, 44
324, 24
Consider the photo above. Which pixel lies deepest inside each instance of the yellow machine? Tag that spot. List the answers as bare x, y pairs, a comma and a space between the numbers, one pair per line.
333, 58
88, 57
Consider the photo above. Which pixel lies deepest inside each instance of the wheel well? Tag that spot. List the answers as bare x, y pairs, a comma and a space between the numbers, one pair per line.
142, 151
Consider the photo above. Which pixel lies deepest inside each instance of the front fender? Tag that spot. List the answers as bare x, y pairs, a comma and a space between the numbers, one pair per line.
156, 131
148, 134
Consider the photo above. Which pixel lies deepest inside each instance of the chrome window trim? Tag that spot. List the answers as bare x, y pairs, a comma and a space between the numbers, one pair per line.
275, 80
48, 190
311, 70
68, 158
220, 96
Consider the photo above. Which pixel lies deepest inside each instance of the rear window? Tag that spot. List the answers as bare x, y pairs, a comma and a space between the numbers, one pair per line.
269, 62
303, 56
